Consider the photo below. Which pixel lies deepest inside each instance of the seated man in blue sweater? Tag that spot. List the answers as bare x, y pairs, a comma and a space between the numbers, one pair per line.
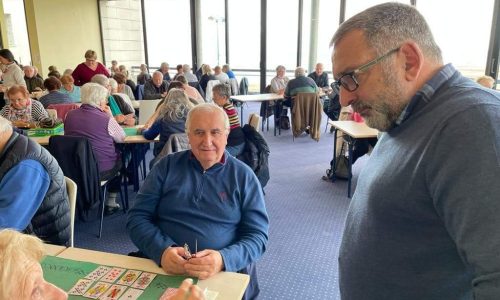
206, 198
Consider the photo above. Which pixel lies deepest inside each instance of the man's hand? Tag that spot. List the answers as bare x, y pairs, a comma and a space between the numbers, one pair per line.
206, 264
163, 95
172, 261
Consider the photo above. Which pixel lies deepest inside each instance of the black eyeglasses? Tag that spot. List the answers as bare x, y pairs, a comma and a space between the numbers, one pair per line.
349, 81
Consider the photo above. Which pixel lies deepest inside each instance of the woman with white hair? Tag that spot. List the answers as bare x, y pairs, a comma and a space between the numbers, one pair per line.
122, 111
21, 276
171, 118
95, 121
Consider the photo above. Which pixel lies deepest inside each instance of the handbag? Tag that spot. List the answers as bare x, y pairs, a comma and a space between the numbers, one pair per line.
341, 170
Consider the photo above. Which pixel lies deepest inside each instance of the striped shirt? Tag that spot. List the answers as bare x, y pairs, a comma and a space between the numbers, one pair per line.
37, 112
234, 119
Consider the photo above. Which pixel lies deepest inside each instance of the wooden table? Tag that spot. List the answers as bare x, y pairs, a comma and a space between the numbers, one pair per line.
356, 131
229, 285
53, 250
256, 98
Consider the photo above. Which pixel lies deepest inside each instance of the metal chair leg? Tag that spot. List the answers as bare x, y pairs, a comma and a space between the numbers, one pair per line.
105, 190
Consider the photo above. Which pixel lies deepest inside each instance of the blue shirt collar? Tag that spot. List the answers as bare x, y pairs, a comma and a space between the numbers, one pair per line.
424, 95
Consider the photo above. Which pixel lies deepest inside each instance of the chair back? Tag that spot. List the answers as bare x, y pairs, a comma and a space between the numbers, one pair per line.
147, 109
254, 121
306, 114
175, 143
234, 86
63, 108
208, 94
72, 189
244, 86
76, 158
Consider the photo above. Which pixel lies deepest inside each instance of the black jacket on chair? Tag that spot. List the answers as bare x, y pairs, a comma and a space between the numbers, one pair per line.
76, 159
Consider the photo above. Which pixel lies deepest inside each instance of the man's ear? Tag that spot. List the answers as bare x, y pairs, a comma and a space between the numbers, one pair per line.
413, 60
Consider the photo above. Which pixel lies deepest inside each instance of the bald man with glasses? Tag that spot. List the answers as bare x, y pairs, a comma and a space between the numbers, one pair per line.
423, 222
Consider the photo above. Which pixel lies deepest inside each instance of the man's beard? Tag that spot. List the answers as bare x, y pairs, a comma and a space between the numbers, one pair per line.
386, 107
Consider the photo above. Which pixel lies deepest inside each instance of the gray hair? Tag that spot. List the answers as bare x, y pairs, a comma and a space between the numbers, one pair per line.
113, 84
207, 108
299, 71
186, 68
100, 79
222, 89
93, 94
387, 26
176, 106
4, 124
158, 73
280, 67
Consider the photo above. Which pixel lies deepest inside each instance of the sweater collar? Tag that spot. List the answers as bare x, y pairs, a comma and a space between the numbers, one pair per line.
215, 167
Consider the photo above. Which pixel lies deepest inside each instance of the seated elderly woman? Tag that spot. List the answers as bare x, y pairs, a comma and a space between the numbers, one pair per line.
170, 118
94, 121
236, 139
122, 85
68, 87
53, 84
21, 276
128, 81
22, 110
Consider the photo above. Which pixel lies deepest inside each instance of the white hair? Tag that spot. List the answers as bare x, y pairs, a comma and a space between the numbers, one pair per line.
93, 94
186, 68
113, 84
207, 108
16, 250
299, 71
100, 79
4, 124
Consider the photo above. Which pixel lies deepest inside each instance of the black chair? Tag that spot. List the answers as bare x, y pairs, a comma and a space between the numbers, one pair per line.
78, 162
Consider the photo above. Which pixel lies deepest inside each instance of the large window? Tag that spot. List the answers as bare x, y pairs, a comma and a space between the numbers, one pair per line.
17, 32
168, 29
213, 32
329, 12
464, 35
282, 24
244, 40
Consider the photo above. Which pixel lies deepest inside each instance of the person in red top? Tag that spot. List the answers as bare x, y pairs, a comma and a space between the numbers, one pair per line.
86, 70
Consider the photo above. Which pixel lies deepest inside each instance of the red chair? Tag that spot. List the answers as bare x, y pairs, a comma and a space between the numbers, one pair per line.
63, 108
